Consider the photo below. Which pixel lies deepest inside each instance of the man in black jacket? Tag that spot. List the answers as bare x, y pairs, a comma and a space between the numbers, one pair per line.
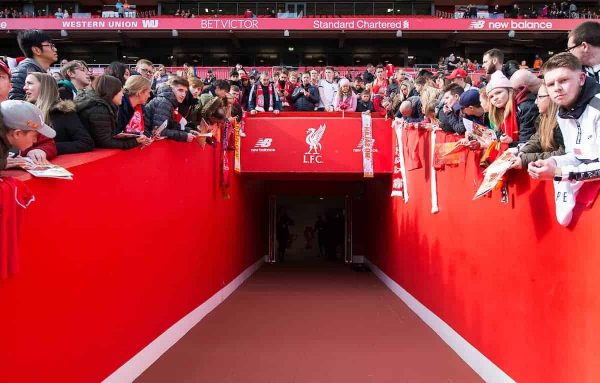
449, 116
306, 96
164, 108
40, 52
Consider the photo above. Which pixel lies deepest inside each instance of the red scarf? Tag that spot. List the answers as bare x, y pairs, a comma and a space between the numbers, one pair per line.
260, 97
289, 88
136, 124
510, 126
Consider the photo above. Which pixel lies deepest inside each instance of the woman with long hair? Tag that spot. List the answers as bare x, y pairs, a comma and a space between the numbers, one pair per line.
503, 109
97, 108
130, 118
71, 136
547, 141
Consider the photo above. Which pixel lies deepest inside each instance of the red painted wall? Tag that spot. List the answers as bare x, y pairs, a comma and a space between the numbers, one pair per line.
114, 258
515, 284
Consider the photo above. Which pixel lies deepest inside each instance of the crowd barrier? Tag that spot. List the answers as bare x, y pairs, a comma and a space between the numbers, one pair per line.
507, 277
282, 144
112, 259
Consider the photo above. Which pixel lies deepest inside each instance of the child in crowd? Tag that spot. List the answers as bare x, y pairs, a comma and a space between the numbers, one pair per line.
20, 124
365, 104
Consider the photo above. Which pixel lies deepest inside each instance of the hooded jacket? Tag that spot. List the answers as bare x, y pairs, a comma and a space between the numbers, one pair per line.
100, 119
71, 135
527, 113
18, 76
161, 108
580, 127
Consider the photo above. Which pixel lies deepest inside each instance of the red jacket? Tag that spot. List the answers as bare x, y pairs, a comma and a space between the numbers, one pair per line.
43, 143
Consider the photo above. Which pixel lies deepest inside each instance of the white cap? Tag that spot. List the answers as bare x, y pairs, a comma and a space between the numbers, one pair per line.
23, 115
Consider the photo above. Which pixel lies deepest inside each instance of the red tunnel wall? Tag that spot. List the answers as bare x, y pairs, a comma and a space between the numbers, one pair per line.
114, 258
508, 278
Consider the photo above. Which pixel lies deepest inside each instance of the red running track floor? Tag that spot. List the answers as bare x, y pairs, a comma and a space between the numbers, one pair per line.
310, 322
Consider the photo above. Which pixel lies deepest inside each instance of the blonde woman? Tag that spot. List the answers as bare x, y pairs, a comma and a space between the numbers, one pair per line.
503, 109
547, 141
71, 136
130, 118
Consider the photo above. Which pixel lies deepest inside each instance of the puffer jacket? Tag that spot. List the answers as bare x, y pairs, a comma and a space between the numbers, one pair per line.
71, 136
302, 103
18, 77
580, 127
527, 113
159, 110
100, 119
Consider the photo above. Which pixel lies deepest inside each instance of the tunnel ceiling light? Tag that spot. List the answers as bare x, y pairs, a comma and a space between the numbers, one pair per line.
286, 33
398, 33
175, 33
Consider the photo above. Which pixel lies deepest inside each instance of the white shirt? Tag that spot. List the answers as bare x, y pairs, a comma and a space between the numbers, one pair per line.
327, 90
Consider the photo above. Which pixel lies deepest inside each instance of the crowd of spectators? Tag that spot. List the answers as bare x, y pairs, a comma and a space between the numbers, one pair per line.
540, 121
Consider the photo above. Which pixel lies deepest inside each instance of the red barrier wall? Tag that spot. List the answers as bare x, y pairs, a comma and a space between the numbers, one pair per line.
279, 144
114, 258
508, 278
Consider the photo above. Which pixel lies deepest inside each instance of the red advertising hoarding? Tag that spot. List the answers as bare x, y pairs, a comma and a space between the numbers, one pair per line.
313, 143
303, 24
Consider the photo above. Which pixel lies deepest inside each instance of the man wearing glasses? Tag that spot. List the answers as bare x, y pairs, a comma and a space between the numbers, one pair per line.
144, 67
77, 77
40, 52
584, 43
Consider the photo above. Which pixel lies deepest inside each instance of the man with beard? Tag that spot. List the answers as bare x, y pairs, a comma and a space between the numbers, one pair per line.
493, 60
284, 91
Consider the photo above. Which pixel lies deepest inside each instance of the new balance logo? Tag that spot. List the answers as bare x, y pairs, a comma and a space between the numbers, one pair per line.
477, 24
263, 145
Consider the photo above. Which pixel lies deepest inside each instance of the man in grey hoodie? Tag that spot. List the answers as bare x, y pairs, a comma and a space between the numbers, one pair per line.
40, 51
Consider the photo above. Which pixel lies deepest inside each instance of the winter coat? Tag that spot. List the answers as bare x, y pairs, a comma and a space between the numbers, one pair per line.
305, 104
71, 136
362, 106
580, 128
451, 122
188, 104
527, 113
417, 110
533, 151
161, 109
100, 119
18, 77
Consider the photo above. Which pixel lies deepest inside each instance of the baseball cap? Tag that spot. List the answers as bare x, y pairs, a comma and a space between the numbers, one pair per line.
245, 77
24, 115
457, 73
469, 98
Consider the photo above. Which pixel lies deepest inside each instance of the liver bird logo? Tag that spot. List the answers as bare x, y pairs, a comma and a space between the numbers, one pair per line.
313, 138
